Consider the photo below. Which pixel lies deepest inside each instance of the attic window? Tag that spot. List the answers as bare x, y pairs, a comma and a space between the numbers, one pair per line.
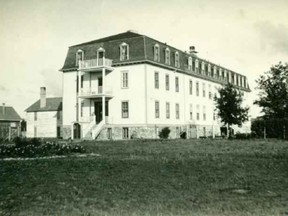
167, 56
197, 65
177, 63
100, 53
190, 63
79, 56
124, 52
156, 53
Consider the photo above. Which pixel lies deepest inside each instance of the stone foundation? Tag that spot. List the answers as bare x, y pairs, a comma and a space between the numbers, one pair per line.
152, 132
66, 131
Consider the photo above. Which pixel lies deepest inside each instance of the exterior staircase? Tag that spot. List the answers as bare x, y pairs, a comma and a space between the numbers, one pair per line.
94, 130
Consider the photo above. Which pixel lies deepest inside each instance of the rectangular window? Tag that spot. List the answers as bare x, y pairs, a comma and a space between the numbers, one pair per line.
190, 87
197, 114
176, 84
124, 79
204, 113
191, 112
157, 111
167, 82
82, 81
197, 88
77, 83
125, 133
35, 116
125, 109
109, 133
156, 80
210, 93
167, 110
204, 89
177, 111
81, 109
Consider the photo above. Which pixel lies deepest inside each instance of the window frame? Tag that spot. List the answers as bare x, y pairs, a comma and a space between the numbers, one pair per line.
77, 59
124, 110
167, 56
167, 110
156, 80
167, 82
156, 49
124, 56
125, 133
176, 84
177, 111
157, 109
124, 85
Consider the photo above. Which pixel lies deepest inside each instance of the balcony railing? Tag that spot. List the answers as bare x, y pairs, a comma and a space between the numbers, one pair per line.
91, 92
95, 63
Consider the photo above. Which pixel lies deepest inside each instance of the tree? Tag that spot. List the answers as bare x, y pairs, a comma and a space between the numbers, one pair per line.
228, 106
273, 92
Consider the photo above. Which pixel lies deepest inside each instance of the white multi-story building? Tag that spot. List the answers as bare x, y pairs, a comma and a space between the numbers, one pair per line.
129, 85
44, 117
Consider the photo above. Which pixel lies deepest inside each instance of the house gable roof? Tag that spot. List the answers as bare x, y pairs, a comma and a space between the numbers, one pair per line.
52, 104
9, 115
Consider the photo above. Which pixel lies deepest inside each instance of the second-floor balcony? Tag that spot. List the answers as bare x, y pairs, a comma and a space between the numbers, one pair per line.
95, 64
95, 92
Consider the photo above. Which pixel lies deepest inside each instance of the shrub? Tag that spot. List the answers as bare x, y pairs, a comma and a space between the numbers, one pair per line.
183, 135
32, 148
242, 136
164, 133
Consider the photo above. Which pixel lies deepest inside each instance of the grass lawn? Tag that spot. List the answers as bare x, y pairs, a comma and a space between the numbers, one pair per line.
174, 177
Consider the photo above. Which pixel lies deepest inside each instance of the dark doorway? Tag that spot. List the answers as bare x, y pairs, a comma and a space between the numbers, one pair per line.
76, 131
98, 110
101, 54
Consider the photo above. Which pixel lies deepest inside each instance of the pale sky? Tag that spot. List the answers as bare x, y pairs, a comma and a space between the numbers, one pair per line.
245, 36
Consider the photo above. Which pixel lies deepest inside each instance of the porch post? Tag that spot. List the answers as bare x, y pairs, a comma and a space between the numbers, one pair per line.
72, 131
103, 97
79, 93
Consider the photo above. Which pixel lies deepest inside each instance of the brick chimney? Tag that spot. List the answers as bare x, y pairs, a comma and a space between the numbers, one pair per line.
3, 108
42, 97
192, 50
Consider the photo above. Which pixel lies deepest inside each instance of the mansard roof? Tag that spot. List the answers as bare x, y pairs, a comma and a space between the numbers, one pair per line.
140, 51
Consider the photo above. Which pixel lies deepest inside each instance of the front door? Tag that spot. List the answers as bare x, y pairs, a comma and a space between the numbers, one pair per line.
98, 110
77, 131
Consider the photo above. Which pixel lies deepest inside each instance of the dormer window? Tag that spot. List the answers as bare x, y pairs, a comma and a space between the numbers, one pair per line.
156, 53
167, 56
79, 56
220, 73
124, 52
177, 63
190, 63
215, 71
209, 69
100, 53
197, 65
202, 67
